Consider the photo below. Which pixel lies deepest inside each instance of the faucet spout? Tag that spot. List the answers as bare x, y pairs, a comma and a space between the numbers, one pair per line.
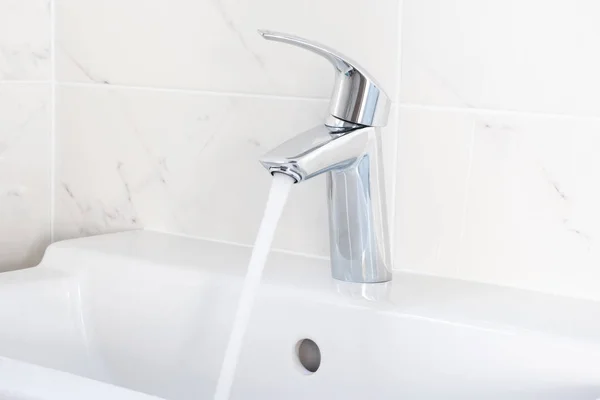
316, 151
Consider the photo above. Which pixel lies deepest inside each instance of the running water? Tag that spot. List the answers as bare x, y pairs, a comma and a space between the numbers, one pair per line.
277, 198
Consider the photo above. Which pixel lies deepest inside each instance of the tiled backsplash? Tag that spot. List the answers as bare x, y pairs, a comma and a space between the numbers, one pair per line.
498, 172
164, 108
213, 45
490, 153
526, 55
506, 198
25, 121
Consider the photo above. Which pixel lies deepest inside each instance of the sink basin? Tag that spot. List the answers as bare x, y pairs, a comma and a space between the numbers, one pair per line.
142, 315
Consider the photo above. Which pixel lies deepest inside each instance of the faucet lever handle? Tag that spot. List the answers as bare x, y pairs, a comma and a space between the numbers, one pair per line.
357, 98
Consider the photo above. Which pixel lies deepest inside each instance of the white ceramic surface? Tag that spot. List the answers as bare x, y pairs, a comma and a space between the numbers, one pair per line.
151, 312
25, 381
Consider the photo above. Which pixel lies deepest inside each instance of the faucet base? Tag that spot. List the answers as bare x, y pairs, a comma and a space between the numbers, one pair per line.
358, 277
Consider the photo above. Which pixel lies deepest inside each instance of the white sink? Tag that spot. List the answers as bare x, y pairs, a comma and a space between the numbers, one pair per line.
142, 312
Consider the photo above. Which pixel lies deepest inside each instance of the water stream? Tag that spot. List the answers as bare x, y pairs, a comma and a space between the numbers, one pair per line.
277, 198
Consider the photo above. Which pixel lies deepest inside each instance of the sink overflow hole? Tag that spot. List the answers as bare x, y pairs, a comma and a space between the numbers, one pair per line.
309, 355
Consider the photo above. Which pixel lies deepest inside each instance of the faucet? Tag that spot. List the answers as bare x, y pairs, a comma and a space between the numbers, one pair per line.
347, 147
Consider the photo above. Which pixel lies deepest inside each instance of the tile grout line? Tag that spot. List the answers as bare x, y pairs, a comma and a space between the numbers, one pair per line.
189, 91
393, 230
396, 103
492, 111
25, 82
52, 118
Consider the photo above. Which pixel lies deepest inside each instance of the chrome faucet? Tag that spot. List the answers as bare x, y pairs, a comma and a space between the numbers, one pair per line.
348, 148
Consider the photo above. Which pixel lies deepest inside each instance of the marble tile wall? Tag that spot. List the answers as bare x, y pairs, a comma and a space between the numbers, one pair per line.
25, 132
490, 154
504, 198
498, 172
164, 107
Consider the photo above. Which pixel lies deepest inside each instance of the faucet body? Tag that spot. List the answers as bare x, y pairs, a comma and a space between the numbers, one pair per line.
352, 160
347, 147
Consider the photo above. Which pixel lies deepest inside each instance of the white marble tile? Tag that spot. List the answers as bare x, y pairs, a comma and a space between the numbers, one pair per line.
24, 174
24, 40
530, 55
433, 160
504, 199
213, 44
184, 163
532, 217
